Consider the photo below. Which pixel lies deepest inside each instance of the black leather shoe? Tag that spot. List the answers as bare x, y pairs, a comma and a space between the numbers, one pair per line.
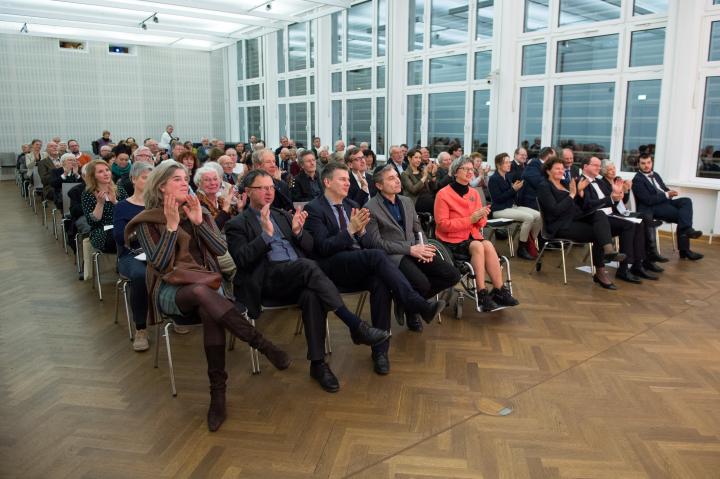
692, 234
614, 256
321, 373
523, 253
655, 257
366, 334
414, 323
627, 276
640, 272
435, 308
650, 266
610, 286
691, 255
381, 363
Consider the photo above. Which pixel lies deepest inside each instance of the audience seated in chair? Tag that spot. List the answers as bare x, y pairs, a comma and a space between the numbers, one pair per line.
652, 254
68, 173
264, 159
416, 183
98, 202
361, 184
395, 228
517, 166
32, 159
307, 185
459, 219
652, 196
271, 250
183, 275
595, 195
74, 148
504, 193
563, 218
128, 266
533, 177
221, 202
47, 166
120, 167
344, 253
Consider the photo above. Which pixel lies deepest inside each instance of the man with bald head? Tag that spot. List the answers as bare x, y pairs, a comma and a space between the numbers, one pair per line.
265, 160
572, 172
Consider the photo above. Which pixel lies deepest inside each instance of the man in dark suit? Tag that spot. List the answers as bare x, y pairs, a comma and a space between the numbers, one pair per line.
652, 196
596, 195
394, 227
343, 250
572, 171
533, 177
265, 160
518, 164
307, 185
316, 147
396, 160
361, 184
269, 248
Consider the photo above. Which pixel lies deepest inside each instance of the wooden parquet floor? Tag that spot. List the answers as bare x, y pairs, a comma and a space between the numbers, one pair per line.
602, 384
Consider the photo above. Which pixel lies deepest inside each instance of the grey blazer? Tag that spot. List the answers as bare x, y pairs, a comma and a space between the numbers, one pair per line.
385, 233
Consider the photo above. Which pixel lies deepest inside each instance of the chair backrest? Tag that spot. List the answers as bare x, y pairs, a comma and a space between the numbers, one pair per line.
66, 187
95, 147
37, 182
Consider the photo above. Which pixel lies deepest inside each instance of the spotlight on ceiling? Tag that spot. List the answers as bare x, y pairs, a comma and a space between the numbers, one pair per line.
143, 26
24, 28
268, 7
155, 19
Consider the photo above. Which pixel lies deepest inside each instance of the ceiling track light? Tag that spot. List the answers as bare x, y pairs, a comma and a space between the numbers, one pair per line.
24, 28
153, 17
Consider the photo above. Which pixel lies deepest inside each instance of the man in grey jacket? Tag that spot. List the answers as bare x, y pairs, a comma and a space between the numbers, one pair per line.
394, 227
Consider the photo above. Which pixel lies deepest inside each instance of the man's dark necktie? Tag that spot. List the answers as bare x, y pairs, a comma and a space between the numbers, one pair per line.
341, 217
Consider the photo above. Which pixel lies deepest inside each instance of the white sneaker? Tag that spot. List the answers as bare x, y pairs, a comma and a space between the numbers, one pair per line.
140, 343
180, 329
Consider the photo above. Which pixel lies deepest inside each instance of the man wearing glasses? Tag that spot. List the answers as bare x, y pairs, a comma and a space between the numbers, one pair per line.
270, 248
361, 183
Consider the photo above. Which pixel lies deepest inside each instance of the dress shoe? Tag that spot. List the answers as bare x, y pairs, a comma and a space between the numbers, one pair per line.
435, 308
625, 275
324, 376
366, 334
691, 255
502, 297
655, 257
611, 255
414, 323
523, 252
485, 303
381, 363
651, 266
601, 278
692, 233
640, 272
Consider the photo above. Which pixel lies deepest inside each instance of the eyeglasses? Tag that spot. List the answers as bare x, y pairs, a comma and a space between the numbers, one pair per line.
465, 168
266, 189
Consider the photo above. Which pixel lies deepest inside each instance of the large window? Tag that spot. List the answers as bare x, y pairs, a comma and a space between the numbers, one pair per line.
709, 158
250, 88
337, 37
449, 22
446, 120
359, 36
448, 69
641, 121
649, 7
481, 121
298, 48
578, 12
647, 47
533, 59
537, 15
359, 116
483, 63
414, 120
714, 54
531, 115
416, 28
298, 126
592, 53
484, 22
252, 55
582, 118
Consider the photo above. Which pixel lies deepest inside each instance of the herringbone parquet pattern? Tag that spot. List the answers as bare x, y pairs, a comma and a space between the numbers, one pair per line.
619, 384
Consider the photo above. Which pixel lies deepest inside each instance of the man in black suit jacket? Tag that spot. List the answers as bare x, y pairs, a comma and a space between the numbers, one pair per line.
361, 184
396, 160
518, 165
269, 248
572, 171
652, 196
343, 251
595, 195
533, 177
307, 185
265, 160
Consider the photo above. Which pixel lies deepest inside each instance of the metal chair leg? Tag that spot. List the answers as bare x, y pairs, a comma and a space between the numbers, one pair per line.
328, 346
64, 235
592, 262
254, 355
157, 343
127, 311
96, 264
562, 251
118, 285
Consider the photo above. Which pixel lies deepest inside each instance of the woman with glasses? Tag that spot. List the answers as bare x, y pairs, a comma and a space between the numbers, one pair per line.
459, 219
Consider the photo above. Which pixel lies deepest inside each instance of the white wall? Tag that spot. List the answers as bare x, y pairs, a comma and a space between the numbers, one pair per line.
46, 92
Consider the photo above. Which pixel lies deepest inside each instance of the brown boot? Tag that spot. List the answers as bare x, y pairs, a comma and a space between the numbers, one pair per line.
238, 324
216, 373
603, 278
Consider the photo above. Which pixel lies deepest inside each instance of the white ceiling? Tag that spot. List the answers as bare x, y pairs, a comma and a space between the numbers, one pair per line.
206, 25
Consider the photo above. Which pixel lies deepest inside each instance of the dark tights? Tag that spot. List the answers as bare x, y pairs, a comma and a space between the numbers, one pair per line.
212, 308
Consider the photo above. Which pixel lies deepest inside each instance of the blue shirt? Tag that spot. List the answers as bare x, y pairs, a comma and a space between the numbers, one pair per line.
396, 210
281, 250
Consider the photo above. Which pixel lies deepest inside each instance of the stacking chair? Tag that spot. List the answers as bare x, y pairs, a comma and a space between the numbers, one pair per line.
561, 244
121, 285
37, 190
66, 187
508, 226
164, 326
